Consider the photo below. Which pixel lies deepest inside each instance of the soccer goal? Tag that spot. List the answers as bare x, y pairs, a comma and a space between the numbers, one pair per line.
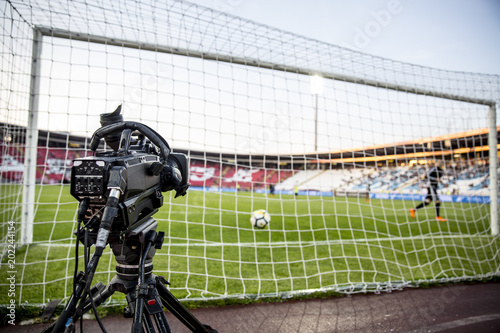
336, 145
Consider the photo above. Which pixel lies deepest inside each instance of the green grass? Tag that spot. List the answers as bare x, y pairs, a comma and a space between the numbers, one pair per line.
312, 243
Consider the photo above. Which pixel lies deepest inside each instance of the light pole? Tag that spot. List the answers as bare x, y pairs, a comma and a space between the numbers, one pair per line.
316, 90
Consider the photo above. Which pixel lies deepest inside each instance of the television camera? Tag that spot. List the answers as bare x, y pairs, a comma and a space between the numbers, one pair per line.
119, 190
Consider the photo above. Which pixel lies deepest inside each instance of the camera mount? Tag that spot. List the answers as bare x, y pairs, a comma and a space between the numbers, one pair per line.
118, 192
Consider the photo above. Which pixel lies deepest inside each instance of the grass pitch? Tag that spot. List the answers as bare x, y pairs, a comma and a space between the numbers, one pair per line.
312, 243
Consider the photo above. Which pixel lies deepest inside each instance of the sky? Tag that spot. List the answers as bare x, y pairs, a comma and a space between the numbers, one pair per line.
460, 35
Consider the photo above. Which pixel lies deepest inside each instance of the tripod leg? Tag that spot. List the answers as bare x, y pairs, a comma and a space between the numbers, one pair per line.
142, 289
151, 306
154, 308
178, 310
99, 293
161, 322
147, 323
61, 323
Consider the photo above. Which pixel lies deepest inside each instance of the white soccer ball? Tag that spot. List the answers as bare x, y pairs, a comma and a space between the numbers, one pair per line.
260, 219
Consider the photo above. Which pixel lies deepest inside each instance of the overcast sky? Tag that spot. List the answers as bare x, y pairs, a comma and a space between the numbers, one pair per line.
462, 35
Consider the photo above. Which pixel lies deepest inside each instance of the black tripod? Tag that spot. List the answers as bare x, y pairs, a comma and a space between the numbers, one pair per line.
146, 293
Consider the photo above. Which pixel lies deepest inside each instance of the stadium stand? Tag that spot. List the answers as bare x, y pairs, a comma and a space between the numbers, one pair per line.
462, 177
338, 173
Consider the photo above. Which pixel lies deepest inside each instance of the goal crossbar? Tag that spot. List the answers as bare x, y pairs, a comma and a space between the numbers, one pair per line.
66, 34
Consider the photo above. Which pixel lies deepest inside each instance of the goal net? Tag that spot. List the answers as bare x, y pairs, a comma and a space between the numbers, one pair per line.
333, 143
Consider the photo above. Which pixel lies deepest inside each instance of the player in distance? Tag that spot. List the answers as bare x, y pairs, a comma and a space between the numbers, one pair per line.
433, 177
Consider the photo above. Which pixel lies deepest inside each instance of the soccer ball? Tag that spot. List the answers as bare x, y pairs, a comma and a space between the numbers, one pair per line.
260, 219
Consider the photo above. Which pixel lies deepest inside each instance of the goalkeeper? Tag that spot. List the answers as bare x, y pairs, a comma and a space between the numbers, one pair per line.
433, 177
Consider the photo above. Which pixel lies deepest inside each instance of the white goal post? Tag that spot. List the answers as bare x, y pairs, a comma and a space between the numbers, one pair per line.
338, 170
39, 32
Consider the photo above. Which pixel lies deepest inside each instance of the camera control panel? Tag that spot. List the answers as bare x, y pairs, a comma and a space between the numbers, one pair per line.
87, 177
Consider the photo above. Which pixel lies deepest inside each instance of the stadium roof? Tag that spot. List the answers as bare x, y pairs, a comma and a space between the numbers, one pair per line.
439, 146
444, 146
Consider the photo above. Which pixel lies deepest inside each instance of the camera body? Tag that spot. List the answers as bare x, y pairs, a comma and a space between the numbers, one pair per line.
140, 166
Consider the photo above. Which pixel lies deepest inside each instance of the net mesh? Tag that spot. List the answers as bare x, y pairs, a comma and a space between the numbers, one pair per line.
338, 170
